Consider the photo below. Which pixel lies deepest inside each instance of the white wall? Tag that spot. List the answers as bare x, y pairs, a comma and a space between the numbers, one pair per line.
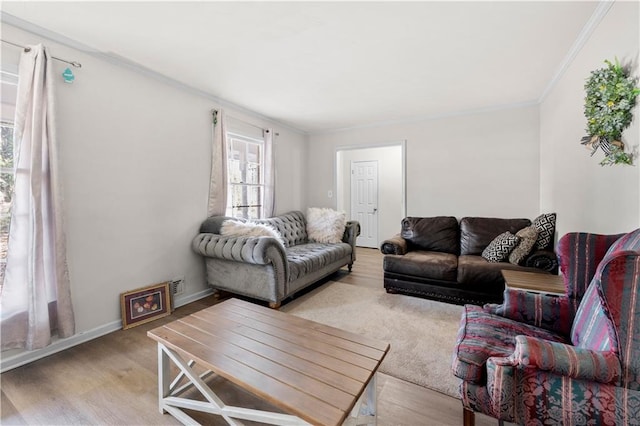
484, 164
587, 196
135, 156
390, 201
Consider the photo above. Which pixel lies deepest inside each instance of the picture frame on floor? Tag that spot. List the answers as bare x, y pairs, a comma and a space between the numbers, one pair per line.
145, 304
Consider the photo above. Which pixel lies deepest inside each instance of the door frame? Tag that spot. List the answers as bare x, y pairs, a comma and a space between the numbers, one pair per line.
340, 180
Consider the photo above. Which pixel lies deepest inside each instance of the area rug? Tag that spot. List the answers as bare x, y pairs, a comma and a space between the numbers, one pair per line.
422, 333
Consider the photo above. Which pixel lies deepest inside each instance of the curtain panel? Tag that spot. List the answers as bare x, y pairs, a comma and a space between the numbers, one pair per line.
218, 183
269, 174
36, 296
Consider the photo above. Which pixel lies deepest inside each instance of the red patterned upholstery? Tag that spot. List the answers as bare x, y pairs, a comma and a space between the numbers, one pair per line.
579, 255
483, 335
590, 377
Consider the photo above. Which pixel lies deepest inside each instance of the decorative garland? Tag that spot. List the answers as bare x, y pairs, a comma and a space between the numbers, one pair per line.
611, 97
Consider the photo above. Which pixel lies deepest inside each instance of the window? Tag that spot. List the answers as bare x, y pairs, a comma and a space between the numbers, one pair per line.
245, 167
7, 179
7, 171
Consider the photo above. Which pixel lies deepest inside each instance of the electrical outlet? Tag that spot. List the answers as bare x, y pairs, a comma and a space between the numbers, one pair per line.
177, 286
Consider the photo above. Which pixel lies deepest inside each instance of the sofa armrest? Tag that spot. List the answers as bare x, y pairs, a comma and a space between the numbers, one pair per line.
351, 232
567, 360
549, 312
394, 245
255, 250
543, 259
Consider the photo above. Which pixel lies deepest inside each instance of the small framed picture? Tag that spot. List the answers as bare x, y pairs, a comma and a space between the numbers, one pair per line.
145, 304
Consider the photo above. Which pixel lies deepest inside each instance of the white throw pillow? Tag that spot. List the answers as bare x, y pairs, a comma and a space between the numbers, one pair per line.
236, 228
325, 225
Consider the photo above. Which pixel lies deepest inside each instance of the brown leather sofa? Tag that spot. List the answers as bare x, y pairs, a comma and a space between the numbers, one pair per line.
440, 258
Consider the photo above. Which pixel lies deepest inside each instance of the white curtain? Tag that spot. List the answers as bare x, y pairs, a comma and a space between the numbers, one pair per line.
36, 297
269, 174
218, 183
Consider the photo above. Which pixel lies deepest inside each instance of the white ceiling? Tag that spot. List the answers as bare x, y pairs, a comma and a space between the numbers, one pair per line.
320, 66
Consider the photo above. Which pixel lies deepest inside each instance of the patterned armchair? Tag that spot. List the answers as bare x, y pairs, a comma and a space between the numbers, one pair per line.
539, 359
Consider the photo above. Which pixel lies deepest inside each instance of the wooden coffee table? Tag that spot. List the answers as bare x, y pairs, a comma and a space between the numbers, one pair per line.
534, 282
319, 374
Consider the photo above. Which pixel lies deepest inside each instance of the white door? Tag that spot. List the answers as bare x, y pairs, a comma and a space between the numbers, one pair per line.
364, 201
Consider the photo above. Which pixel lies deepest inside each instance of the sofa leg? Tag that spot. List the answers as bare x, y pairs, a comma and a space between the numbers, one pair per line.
350, 266
274, 305
468, 417
390, 291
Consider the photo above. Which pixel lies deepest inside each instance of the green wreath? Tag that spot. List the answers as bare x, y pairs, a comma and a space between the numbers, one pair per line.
611, 97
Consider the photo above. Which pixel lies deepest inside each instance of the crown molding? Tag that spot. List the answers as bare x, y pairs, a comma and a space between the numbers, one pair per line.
594, 21
120, 61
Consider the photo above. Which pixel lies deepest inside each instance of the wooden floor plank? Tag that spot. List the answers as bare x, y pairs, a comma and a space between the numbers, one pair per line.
299, 403
313, 369
9, 414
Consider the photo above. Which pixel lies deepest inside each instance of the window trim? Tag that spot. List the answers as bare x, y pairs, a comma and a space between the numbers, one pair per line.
230, 136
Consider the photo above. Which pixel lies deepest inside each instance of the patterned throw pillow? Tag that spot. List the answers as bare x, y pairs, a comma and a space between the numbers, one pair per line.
499, 249
545, 224
528, 237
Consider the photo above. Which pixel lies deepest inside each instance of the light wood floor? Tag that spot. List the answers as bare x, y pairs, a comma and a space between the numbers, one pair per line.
112, 380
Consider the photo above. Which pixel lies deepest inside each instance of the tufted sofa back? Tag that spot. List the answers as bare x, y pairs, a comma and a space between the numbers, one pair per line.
292, 226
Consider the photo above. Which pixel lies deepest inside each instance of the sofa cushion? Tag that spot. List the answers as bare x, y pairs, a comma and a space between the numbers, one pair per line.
423, 264
307, 258
432, 233
498, 250
474, 270
482, 335
528, 237
476, 233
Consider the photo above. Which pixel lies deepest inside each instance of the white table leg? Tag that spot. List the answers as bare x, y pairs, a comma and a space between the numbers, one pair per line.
169, 401
364, 412
163, 377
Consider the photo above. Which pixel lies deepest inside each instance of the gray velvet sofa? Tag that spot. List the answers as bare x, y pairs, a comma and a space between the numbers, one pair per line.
263, 268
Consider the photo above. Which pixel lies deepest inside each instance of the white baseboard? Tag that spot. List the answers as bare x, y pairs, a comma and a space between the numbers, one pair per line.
58, 345
24, 357
185, 300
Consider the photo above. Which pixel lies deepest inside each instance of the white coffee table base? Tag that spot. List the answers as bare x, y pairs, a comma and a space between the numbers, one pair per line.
363, 413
